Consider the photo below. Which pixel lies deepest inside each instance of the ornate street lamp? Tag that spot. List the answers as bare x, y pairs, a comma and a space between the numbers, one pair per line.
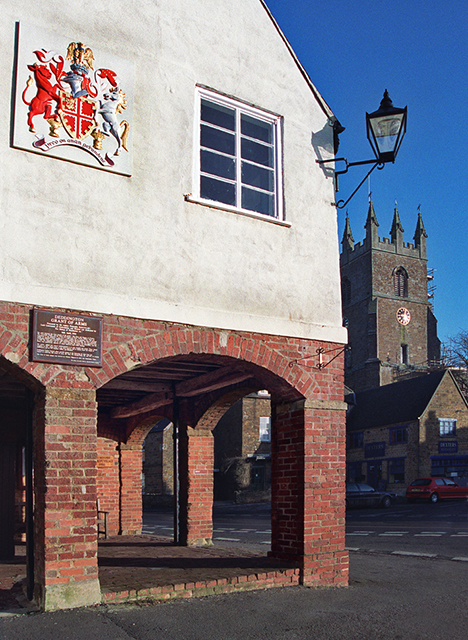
386, 128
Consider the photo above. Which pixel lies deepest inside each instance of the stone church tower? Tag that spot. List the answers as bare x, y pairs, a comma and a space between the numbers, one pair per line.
392, 330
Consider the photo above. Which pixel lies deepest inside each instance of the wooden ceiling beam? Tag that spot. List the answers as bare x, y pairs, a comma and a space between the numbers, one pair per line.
122, 384
148, 403
207, 382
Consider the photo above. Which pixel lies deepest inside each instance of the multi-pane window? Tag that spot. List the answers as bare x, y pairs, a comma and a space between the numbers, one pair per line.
396, 470
400, 282
398, 435
355, 439
447, 427
239, 155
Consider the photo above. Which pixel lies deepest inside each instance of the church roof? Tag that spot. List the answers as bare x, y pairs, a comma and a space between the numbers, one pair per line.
403, 401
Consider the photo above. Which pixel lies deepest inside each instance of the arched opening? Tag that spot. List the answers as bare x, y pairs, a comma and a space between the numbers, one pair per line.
195, 394
193, 390
241, 471
17, 471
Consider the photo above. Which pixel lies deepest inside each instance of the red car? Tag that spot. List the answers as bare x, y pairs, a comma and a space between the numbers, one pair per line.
435, 489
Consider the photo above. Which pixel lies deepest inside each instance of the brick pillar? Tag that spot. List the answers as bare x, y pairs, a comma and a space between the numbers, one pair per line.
131, 501
196, 487
108, 482
65, 536
308, 506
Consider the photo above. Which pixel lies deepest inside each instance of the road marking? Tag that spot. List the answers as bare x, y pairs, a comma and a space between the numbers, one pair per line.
395, 534
266, 542
429, 534
413, 553
460, 559
359, 533
228, 539
460, 534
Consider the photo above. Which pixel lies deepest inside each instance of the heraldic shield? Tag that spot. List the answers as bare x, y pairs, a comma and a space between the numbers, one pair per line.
77, 115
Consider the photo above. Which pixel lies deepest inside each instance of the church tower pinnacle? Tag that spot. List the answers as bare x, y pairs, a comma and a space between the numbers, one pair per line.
420, 235
372, 226
348, 241
396, 232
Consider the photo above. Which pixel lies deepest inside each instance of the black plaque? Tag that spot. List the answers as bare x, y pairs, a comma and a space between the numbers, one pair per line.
65, 338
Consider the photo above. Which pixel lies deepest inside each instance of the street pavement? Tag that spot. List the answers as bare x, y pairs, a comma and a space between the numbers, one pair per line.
389, 598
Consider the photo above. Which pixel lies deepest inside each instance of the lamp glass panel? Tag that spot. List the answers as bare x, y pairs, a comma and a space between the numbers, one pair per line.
386, 130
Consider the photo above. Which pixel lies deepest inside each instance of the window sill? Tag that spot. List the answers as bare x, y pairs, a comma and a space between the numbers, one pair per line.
242, 212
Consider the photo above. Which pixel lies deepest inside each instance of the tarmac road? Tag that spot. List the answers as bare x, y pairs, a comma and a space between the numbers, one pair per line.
389, 598
440, 529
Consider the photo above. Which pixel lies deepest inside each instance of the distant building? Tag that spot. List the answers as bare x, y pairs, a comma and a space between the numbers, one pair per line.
242, 455
392, 330
413, 428
243, 450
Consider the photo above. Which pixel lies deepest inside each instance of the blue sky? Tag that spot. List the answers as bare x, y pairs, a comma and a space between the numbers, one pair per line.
418, 49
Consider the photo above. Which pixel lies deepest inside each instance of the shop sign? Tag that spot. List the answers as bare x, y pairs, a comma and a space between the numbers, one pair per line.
450, 446
374, 450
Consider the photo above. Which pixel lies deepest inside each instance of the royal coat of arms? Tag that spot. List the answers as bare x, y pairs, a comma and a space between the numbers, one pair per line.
67, 100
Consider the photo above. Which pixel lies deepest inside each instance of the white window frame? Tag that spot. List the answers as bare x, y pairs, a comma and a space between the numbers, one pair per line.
260, 114
447, 427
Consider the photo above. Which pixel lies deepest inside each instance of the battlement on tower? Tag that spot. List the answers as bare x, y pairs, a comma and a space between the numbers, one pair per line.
395, 244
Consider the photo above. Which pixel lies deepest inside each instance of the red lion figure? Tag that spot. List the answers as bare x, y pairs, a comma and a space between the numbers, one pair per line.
47, 94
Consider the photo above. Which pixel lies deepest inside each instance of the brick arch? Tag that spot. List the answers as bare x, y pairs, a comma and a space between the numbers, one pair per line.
276, 355
141, 429
215, 412
20, 374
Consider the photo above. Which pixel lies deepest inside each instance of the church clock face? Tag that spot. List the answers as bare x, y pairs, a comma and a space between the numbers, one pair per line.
403, 316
